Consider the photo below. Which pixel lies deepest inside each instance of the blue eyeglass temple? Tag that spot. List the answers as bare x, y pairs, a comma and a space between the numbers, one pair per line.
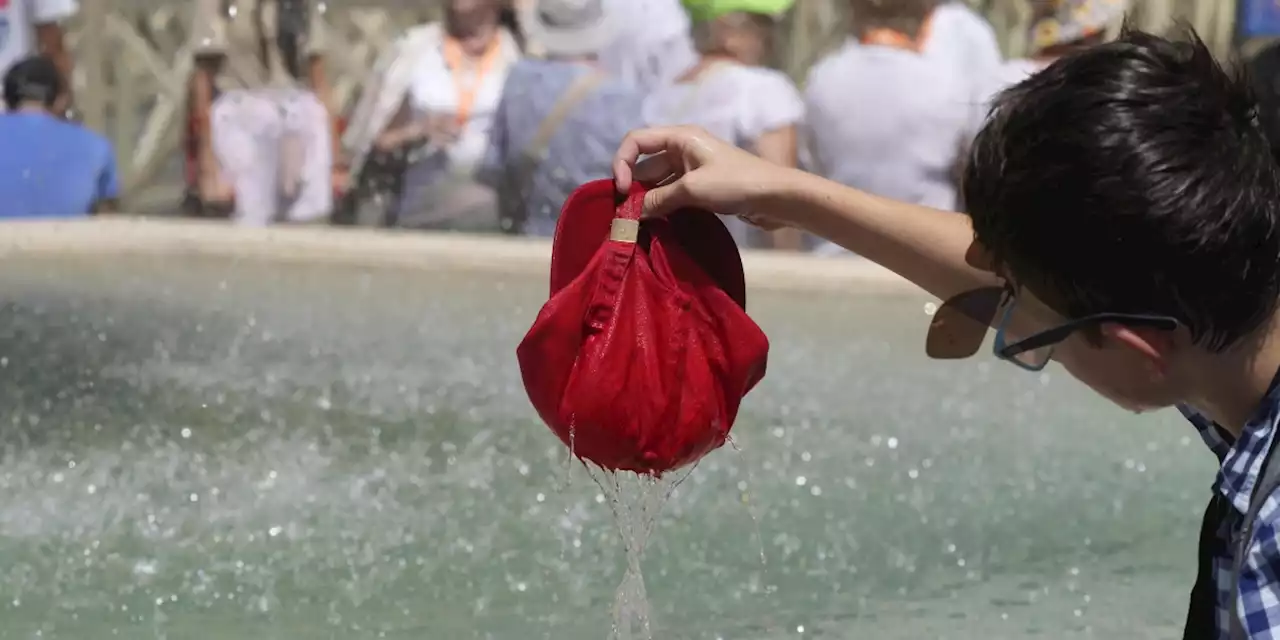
1000, 343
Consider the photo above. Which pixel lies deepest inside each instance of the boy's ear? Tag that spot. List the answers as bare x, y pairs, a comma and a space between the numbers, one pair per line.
1154, 346
979, 258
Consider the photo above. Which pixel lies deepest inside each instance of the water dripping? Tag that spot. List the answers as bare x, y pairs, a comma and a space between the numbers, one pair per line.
636, 501
746, 502
566, 479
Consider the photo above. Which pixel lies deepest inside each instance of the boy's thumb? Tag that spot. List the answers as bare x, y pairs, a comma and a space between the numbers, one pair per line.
661, 202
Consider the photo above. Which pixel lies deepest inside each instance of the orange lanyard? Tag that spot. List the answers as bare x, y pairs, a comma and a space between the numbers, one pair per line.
898, 39
454, 58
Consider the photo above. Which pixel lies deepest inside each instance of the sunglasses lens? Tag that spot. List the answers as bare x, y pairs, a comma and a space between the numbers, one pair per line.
1036, 358
959, 326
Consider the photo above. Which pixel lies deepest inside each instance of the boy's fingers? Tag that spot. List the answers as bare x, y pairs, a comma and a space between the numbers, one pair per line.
641, 142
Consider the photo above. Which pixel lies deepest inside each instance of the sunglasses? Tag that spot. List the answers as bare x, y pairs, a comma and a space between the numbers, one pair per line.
960, 325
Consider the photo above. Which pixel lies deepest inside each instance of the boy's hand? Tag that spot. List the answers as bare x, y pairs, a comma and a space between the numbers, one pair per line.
695, 169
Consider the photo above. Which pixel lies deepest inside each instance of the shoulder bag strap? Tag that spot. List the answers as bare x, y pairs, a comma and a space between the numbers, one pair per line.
532, 155
1268, 482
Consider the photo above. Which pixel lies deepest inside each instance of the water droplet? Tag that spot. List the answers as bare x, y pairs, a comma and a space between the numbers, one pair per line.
800, 481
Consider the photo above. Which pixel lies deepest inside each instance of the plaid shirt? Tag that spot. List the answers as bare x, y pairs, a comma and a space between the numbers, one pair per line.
1241, 460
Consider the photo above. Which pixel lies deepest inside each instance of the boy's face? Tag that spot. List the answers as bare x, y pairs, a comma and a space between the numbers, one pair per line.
1139, 369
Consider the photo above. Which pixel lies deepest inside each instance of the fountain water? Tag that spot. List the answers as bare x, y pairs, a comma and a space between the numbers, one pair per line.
222, 447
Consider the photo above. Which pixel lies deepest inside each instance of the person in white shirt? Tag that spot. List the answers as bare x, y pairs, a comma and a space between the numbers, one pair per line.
885, 117
730, 93
30, 27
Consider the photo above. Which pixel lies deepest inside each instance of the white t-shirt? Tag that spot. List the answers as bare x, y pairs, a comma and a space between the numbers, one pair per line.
18, 20
888, 121
434, 89
736, 102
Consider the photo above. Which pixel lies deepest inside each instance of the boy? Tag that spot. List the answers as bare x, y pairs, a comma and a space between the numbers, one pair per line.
1126, 203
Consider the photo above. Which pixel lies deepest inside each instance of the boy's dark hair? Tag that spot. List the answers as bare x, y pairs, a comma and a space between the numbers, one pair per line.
1133, 177
35, 78
1264, 76
905, 16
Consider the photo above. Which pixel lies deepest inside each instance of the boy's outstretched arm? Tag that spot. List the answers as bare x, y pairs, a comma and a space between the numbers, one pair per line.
930, 248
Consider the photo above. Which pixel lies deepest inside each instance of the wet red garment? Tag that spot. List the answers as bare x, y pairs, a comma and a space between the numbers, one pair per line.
642, 355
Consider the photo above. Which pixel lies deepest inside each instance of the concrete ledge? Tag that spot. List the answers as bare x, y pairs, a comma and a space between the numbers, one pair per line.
119, 235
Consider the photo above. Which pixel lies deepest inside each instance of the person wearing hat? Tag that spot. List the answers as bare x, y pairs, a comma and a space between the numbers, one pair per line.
1060, 27
730, 92
884, 116
50, 167
560, 116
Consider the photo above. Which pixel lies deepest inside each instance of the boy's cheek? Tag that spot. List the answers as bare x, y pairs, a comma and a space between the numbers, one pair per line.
1114, 379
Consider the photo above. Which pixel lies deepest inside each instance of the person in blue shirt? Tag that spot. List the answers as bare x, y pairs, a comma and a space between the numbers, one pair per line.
49, 167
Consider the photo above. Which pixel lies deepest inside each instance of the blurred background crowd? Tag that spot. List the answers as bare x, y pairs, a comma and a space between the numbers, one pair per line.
482, 115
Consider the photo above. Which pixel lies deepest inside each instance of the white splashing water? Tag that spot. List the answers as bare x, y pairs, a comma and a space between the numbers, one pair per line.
636, 501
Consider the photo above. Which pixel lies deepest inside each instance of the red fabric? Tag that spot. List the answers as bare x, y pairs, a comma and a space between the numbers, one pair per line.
641, 357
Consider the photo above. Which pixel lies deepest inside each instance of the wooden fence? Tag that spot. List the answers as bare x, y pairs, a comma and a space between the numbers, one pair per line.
134, 59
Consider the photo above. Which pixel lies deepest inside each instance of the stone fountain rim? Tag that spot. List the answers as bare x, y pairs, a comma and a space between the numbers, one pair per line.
128, 235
